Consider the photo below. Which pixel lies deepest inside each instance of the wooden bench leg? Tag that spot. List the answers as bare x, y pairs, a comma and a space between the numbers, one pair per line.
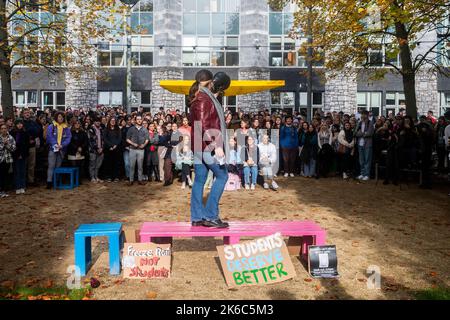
294, 246
230, 240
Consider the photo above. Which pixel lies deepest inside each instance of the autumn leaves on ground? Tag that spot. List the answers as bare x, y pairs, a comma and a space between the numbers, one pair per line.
403, 231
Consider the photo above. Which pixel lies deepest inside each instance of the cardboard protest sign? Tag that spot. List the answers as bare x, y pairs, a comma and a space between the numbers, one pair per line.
255, 263
322, 261
146, 260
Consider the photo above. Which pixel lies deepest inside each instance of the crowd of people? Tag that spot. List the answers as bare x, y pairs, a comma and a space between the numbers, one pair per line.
109, 145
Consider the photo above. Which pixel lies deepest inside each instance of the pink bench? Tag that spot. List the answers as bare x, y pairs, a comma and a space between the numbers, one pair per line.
310, 232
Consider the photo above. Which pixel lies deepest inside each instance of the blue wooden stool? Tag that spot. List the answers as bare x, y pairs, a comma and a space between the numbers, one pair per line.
74, 176
83, 235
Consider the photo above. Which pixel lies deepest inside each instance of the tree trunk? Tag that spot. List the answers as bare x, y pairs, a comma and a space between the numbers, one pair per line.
5, 65
7, 97
408, 74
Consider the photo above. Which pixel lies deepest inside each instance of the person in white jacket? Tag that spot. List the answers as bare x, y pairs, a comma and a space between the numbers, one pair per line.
267, 160
345, 150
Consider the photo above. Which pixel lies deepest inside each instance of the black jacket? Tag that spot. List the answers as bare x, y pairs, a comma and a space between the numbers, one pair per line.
22, 139
112, 138
79, 140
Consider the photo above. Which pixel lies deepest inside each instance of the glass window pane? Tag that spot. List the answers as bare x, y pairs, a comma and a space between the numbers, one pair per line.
275, 23
361, 99
146, 44
116, 98
289, 59
189, 42
202, 5
48, 98
203, 59
145, 97
275, 59
218, 42
135, 22
375, 99
20, 97
301, 61
275, 98
218, 26
188, 59
103, 97
104, 59
32, 97
303, 98
317, 98
401, 99
146, 23
189, 24
287, 98
288, 22
189, 5
217, 58
134, 59
203, 44
232, 43
146, 5
218, 5
390, 98
146, 58
203, 23
60, 98
232, 23
232, 59
275, 43
116, 58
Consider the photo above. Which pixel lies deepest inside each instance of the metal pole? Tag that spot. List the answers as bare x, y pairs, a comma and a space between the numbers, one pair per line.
128, 55
310, 68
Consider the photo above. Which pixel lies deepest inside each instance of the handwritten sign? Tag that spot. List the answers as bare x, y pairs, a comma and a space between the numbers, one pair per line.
146, 260
255, 263
322, 261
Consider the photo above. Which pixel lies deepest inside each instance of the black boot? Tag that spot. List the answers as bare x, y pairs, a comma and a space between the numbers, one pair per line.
49, 185
156, 170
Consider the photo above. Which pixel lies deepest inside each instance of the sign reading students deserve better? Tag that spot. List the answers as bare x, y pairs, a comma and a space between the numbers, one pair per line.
146, 260
258, 262
322, 261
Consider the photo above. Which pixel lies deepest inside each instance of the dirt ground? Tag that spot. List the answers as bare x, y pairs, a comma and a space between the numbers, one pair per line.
404, 231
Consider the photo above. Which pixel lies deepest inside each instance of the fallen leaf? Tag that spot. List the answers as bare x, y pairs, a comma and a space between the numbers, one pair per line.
8, 284
151, 295
355, 244
433, 274
318, 287
362, 280
307, 279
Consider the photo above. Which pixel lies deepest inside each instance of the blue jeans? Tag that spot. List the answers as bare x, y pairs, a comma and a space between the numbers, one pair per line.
20, 173
211, 210
126, 161
365, 160
254, 172
309, 169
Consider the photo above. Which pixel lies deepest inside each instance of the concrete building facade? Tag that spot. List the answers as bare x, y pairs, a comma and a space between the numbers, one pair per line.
246, 39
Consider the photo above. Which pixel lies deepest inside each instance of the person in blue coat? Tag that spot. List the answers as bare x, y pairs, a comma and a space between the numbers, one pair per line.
289, 146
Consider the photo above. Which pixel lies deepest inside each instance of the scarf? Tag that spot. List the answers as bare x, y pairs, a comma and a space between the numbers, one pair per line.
348, 135
220, 113
59, 129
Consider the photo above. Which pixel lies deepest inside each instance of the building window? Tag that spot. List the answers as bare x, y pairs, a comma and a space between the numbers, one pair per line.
316, 98
282, 101
110, 98
54, 100
112, 49
445, 102
394, 102
370, 101
141, 98
25, 98
211, 33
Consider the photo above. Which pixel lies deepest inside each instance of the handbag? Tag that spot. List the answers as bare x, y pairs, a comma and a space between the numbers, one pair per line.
341, 149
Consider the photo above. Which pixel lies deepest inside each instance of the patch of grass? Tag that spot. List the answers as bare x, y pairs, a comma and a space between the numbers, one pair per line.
433, 294
36, 293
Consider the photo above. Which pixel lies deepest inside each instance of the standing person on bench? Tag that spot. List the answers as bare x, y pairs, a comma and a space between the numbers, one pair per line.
208, 135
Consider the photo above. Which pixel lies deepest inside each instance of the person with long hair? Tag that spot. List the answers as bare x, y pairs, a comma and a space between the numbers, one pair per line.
7, 148
152, 155
58, 139
113, 141
251, 156
78, 148
208, 123
325, 153
346, 147
20, 155
309, 152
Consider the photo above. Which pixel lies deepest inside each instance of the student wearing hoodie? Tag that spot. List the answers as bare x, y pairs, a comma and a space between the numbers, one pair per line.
58, 138
289, 146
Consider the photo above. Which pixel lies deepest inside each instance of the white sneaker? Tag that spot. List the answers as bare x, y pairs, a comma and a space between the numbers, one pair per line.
286, 175
93, 180
274, 185
99, 180
22, 191
252, 187
183, 185
360, 177
266, 185
18, 191
292, 175
3, 195
275, 175
247, 187
365, 179
190, 182
344, 175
